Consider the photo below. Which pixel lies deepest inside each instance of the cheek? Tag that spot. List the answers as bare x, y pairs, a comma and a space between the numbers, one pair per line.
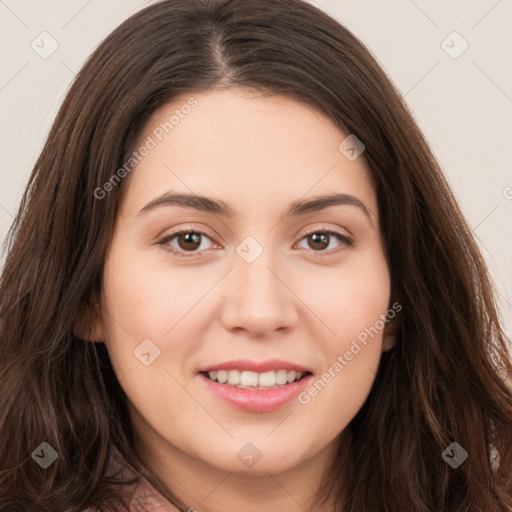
144, 296
349, 300
133, 300
146, 299
354, 315
143, 302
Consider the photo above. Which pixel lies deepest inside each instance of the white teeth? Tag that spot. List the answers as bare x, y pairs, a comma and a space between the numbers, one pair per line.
281, 377
267, 379
222, 376
245, 379
248, 378
233, 377
291, 376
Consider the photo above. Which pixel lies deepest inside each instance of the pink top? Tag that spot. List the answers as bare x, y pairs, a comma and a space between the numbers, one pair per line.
145, 497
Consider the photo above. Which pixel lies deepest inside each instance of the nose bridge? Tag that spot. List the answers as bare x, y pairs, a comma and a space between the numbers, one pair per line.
258, 297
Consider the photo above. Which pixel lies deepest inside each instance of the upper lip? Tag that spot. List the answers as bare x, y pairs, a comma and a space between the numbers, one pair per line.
257, 366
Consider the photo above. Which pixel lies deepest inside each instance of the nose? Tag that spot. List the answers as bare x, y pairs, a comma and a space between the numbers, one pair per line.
258, 298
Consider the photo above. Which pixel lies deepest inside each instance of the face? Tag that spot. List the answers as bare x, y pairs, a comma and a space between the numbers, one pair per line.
256, 284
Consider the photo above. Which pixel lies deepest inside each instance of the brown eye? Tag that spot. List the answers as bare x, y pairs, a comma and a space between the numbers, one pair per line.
183, 242
189, 241
319, 241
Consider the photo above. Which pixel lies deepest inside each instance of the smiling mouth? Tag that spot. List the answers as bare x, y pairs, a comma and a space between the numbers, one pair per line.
254, 380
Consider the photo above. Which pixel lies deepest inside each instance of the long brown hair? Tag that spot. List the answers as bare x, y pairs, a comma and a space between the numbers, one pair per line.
446, 379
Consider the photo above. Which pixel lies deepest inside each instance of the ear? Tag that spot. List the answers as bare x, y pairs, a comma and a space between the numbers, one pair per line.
88, 323
390, 332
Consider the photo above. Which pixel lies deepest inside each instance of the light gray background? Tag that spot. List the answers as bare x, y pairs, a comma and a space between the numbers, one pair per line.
463, 105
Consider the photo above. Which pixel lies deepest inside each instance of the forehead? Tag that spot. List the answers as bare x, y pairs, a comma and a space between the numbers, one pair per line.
248, 148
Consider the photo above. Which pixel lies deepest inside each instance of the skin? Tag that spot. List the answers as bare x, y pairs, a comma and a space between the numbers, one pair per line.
257, 154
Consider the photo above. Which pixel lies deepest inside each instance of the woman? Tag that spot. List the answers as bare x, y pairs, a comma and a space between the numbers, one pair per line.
239, 280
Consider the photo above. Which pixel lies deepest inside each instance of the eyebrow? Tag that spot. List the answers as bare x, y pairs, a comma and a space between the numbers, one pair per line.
217, 207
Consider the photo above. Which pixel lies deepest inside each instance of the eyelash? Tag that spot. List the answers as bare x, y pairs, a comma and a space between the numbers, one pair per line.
164, 242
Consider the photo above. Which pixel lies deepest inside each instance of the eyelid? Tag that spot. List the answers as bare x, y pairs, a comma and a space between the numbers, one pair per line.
163, 240
346, 240
326, 229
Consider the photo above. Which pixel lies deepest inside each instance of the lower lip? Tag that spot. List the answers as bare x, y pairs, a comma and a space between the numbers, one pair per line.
257, 400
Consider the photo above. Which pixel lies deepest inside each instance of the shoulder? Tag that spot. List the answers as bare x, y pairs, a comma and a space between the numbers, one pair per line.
155, 503
150, 499
148, 507
144, 497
